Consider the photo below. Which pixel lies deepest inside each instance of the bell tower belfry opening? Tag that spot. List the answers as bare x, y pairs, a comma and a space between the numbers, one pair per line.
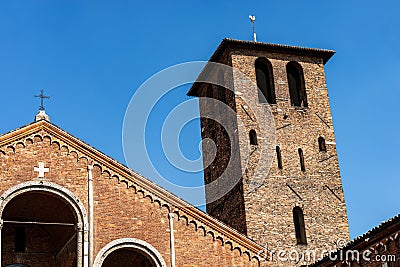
298, 200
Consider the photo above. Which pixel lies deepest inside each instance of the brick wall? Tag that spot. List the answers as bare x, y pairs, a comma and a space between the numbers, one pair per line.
269, 193
120, 211
379, 247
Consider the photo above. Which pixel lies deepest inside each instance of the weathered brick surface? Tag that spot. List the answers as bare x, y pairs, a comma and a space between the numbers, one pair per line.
122, 208
379, 247
268, 209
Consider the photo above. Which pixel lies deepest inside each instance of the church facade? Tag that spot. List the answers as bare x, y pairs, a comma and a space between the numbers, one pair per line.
63, 203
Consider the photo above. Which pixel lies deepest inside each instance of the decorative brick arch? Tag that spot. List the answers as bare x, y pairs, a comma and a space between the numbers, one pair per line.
134, 243
67, 196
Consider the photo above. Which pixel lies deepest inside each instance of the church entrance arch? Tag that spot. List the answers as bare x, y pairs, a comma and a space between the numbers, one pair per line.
129, 252
42, 225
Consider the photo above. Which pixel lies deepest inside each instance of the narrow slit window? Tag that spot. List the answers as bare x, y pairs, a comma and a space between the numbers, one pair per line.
279, 157
253, 137
20, 239
301, 156
299, 225
321, 144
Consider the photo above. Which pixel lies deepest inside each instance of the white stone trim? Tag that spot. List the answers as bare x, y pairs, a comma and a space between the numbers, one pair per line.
172, 238
134, 243
91, 214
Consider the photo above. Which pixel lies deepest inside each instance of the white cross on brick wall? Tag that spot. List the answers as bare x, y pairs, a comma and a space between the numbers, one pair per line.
41, 170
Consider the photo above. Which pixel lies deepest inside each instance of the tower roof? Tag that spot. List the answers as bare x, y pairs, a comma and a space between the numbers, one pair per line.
297, 50
228, 43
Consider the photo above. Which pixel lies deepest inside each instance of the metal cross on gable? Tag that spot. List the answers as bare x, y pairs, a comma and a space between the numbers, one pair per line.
42, 97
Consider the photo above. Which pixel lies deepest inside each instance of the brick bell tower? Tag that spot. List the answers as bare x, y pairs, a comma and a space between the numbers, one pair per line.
277, 144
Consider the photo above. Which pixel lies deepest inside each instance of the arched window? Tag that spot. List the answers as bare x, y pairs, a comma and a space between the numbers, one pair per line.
299, 226
127, 257
321, 144
129, 252
279, 157
265, 81
253, 137
301, 156
297, 90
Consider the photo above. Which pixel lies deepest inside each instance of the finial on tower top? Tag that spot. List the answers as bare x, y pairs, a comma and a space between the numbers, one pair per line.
42, 114
253, 19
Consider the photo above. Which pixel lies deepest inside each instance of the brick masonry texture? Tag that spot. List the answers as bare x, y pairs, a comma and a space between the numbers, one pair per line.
122, 208
265, 213
378, 247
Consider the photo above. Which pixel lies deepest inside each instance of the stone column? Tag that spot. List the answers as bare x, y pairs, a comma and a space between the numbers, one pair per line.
79, 251
91, 216
172, 238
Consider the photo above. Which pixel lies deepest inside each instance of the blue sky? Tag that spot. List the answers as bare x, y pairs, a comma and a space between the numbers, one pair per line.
91, 56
